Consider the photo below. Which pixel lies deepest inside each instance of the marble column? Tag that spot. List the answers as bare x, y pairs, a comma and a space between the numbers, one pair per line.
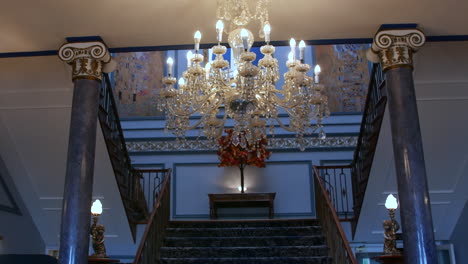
394, 49
87, 60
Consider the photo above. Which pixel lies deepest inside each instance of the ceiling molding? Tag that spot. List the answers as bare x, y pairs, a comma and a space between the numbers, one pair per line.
442, 99
29, 91
61, 198
35, 107
431, 82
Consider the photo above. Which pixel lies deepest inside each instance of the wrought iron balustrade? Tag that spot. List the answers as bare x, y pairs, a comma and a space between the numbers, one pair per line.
128, 180
338, 183
346, 185
337, 242
374, 111
152, 240
151, 181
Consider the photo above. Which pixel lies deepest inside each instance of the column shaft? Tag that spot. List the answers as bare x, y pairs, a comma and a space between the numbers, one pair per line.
416, 218
76, 216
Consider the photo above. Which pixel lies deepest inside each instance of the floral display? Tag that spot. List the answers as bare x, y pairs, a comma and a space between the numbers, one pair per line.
239, 152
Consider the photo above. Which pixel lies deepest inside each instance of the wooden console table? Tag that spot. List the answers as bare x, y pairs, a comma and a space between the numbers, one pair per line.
239, 200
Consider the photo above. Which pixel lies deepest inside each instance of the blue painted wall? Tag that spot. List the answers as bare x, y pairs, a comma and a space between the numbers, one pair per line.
20, 235
460, 237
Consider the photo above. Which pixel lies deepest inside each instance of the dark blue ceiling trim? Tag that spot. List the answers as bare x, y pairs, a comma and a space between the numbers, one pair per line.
398, 26
29, 54
84, 39
447, 38
276, 43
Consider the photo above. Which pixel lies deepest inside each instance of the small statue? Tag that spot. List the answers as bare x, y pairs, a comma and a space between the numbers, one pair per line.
97, 232
390, 229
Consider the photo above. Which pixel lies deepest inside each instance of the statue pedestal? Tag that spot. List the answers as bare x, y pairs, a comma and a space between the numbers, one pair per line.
390, 259
92, 260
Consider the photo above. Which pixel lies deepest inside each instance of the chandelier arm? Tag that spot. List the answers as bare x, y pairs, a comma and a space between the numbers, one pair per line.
196, 124
283, 125
282, 103
203, 118
171, 108
180, 114
205, 98
220, 131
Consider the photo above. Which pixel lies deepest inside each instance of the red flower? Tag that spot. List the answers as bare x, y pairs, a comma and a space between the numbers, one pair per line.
232, 155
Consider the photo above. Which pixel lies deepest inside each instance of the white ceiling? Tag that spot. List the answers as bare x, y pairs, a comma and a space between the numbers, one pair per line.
442, 93
43, 25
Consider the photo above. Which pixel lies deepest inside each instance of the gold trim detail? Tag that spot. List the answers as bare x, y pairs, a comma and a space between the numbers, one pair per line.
395, 48
87, 59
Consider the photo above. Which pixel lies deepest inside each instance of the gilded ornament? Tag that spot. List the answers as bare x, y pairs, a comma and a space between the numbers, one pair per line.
395, 48
86, 58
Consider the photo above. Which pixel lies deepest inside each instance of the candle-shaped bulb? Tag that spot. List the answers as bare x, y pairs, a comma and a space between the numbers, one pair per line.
170, 64
317, 71
290, 57
96, 208
302, 46
244, 35
266, 31
292, 44
197, 38
181, 82
219, 30
207, 69
189, 58
391, 203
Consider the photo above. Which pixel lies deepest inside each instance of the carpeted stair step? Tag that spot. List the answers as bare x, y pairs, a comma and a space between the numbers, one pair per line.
243, 223
245, 241
244, 252
244, 231
251, 260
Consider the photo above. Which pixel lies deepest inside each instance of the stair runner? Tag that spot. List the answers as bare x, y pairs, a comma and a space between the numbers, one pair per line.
245, 242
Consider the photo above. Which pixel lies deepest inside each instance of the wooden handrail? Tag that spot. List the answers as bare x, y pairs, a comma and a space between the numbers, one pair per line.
151, 241
336, 239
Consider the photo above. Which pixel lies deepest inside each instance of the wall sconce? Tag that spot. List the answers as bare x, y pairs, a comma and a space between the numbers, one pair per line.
391, 227
97, 232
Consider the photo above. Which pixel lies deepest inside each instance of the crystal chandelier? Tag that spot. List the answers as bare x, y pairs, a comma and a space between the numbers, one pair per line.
248, 96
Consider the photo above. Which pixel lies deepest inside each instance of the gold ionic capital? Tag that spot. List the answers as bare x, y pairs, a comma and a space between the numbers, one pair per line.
87, 59
395, 47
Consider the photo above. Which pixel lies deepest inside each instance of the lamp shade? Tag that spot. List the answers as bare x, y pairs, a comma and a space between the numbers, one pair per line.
391, 203
96, 209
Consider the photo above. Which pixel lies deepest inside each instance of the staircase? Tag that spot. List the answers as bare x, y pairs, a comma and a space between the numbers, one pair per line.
245, 242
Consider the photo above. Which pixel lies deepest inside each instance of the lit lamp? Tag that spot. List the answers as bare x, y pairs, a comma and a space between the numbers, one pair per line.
97, 232
391, 227
239, 188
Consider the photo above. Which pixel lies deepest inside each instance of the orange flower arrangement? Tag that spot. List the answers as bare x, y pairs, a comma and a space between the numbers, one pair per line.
236, 155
